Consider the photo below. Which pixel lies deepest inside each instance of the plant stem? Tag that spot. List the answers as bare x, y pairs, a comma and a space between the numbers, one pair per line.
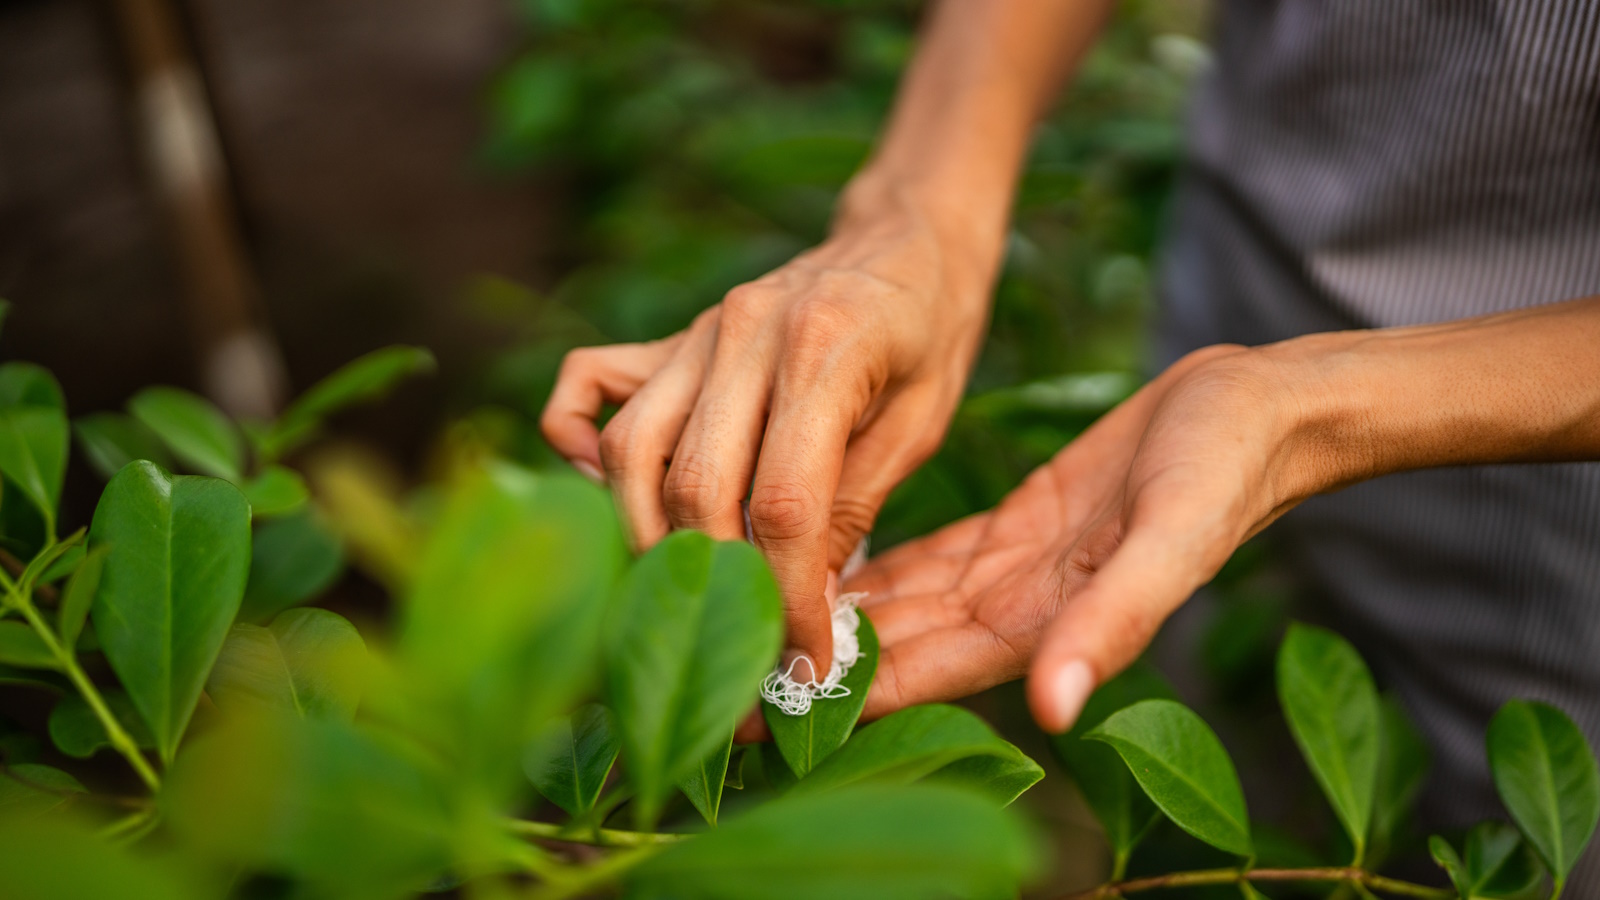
1356, 876
119, 737
603, 873
599, 837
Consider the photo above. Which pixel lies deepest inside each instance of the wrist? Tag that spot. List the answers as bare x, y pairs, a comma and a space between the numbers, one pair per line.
968, 235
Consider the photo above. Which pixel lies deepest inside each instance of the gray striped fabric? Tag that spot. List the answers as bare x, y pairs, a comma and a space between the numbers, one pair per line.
1370, 163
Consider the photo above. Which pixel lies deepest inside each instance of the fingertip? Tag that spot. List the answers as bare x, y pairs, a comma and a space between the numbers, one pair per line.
1058, 692
753, 730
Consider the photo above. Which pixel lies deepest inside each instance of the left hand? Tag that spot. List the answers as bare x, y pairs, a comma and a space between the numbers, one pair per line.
1070, 577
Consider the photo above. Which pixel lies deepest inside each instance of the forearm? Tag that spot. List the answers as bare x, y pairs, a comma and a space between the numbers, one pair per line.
985, 72
1522, 386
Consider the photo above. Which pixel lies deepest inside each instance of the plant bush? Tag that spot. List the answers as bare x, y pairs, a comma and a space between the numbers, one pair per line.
280, 751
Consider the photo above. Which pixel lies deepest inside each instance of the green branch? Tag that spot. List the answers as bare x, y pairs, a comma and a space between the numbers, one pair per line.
19, 596
1347, 874
598, 837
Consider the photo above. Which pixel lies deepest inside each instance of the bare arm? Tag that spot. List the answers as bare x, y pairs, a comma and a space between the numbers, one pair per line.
1070, 577
818, 387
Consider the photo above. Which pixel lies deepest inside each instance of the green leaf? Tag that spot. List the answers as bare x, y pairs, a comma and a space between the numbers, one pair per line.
111, 440
520, 569
907, 745
1546, 776
355, 811
25, 384
275, 492
293, 560
698, 624
79, 596
65, 564
310, 662
21, 646
873, 842
774, 770
806, 740
365, 379
569, 763
1403, 762
196, 432
1180, 764
48, 681
1332, 707
60, 858
1498, 864
30, 790
1121, 807
1002, 777
703, 785
33, 435
78, 732
173, 578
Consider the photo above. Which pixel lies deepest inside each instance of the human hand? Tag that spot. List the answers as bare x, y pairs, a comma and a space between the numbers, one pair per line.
1068, 579
812, 391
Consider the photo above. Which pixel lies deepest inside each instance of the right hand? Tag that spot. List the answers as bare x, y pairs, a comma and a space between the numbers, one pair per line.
812, 391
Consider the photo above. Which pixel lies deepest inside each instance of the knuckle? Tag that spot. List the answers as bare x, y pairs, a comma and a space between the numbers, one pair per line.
577, 363
616, 442
849, 519
783, 509
821, 321
692, 490
743, 307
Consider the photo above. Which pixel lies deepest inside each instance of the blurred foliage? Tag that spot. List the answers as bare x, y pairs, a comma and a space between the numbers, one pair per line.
697, 144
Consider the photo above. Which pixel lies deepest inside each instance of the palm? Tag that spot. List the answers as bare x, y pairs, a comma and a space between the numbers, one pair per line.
958, 611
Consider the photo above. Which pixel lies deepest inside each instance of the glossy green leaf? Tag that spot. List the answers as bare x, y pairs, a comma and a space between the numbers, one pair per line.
1182, 766
808, 739
774, 769
1498, 864
362, 380
59, 858
1124, 812
1403, 762
79, 595
907, 745
1332, 708
196, 432
520, 569
569, 763
21, 646
30, 790
1546, 776
65, 564
698, 624
78, 732
704, 783
873, 842
357, 811
172, 581
275, 492
111, 440
310, 662
34, 678
33, 454
1002, 777
293, 560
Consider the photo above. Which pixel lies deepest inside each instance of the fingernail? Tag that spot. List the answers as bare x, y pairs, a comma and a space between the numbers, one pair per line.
858, 558
1072, 684
590, 471
830, 591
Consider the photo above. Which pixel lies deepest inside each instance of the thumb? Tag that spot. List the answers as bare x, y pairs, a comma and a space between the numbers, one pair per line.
1106, 624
